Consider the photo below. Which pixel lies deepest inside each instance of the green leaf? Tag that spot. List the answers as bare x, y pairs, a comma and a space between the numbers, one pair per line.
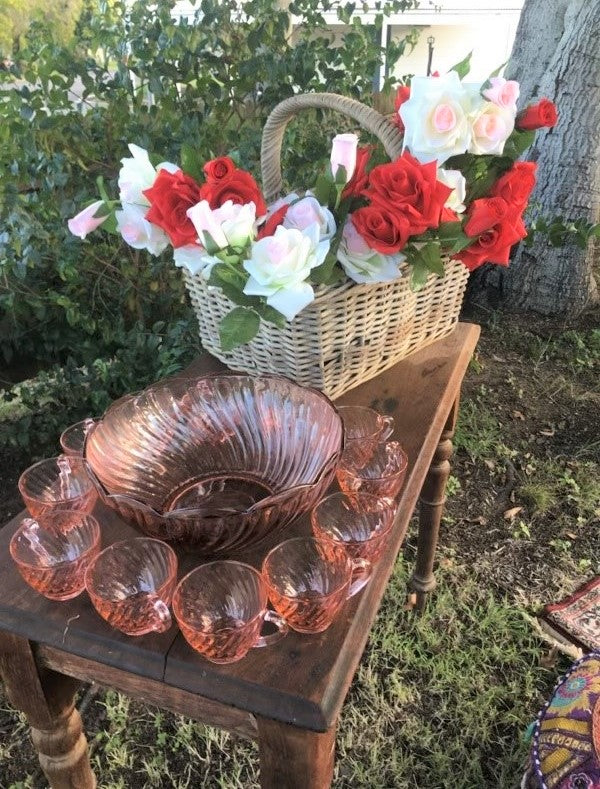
270, 314
418, 275
238, 327
452, 237
341, 176
322, 275
191, 164
518, 143
463, 68
324, 190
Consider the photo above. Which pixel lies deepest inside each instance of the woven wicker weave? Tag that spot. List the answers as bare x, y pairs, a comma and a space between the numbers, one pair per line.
349, 333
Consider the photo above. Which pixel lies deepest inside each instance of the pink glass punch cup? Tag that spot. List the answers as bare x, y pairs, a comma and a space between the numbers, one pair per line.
131, 583
60, 483
72, 440
361, 524
382, 475
364, 428
309, 580
221, 607
53, 559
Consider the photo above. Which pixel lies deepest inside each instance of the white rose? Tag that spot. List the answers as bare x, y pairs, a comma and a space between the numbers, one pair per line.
308, 211
279, 266
456, 181
195, 259
363, 264
137, 174
436, 117
229, 225
491, 126
343, 153
138, 232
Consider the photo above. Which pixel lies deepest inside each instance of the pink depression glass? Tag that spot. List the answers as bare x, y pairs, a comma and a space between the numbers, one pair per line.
220, 608
216, 463
72, 440
361, 524
364, 428
131, 583
309, 580
57, 483
382, 475
53, 561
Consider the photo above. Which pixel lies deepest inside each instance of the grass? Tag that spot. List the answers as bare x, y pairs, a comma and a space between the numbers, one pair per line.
443, 700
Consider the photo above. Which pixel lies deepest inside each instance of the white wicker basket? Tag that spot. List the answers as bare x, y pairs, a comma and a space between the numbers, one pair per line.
349, 333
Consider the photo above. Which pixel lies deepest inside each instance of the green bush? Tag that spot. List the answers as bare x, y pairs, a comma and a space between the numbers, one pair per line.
143, 77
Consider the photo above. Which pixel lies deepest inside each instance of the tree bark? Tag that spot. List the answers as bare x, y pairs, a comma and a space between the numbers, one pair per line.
541, 278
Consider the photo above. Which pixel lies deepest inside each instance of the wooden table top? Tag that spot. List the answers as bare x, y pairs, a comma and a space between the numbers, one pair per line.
303, 679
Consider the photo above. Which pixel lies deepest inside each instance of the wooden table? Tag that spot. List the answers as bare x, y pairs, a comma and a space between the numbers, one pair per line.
289, 695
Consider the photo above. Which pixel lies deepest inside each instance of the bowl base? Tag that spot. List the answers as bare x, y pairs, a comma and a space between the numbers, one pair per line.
226, 492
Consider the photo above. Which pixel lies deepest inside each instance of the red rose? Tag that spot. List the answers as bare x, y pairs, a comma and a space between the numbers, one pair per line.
402, 95
382, 230
410, 189
170, 196
360, 178
273, 222
447, 214
484, 214
536, 116
494, 245
239, 187
218, 168
516, 185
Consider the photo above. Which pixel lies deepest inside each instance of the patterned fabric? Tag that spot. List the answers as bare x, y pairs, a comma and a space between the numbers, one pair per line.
579, 615
566, 743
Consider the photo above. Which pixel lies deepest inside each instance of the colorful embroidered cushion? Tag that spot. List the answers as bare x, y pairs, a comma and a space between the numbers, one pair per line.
566, 742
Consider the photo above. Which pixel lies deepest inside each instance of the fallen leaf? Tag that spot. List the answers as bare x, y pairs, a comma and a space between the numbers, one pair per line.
512, 512
518, 415
498, 358
549, 659
491, 464
571, 536
551, 432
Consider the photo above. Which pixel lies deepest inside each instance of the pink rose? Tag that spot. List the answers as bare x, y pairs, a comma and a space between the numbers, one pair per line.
503, 92
86, 221
343, 153
306, 212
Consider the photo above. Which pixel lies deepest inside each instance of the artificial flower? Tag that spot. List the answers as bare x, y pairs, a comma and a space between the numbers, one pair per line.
218, 168
137, 173
170, 197
382, 229
436, 117
306, 211
86, 221
195, 259
343, 154
363, 264
231, 224
483, 214
491, 127
503, 92
280, 265
494, 245
457, 182
537, 116
138, 232
402, 95
275, 217
516, 185
410, 189
360, 178
239, 187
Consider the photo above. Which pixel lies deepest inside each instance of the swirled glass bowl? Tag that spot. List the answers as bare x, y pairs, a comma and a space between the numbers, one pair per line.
217, 463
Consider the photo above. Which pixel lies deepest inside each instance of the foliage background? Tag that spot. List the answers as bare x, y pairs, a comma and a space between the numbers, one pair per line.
68, 108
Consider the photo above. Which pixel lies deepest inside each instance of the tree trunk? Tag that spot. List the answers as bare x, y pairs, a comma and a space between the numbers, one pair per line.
566, 65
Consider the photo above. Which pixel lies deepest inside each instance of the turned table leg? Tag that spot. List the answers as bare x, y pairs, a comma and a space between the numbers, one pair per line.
47, 699
293, 758
432, 500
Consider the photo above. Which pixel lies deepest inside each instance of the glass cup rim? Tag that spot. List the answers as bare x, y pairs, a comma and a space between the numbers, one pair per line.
54, 502
340, 494
68, 429
65, 562
92, 565
364, 409
314, 540
355, 472
248, 622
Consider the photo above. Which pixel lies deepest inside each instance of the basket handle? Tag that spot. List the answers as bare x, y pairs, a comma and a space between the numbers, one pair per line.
272, 137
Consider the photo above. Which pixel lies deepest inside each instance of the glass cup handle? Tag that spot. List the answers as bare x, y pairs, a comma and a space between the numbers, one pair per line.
162, 615
280, 624
388, 427
361, 573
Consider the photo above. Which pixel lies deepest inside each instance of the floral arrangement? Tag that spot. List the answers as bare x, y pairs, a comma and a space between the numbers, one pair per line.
458, 190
